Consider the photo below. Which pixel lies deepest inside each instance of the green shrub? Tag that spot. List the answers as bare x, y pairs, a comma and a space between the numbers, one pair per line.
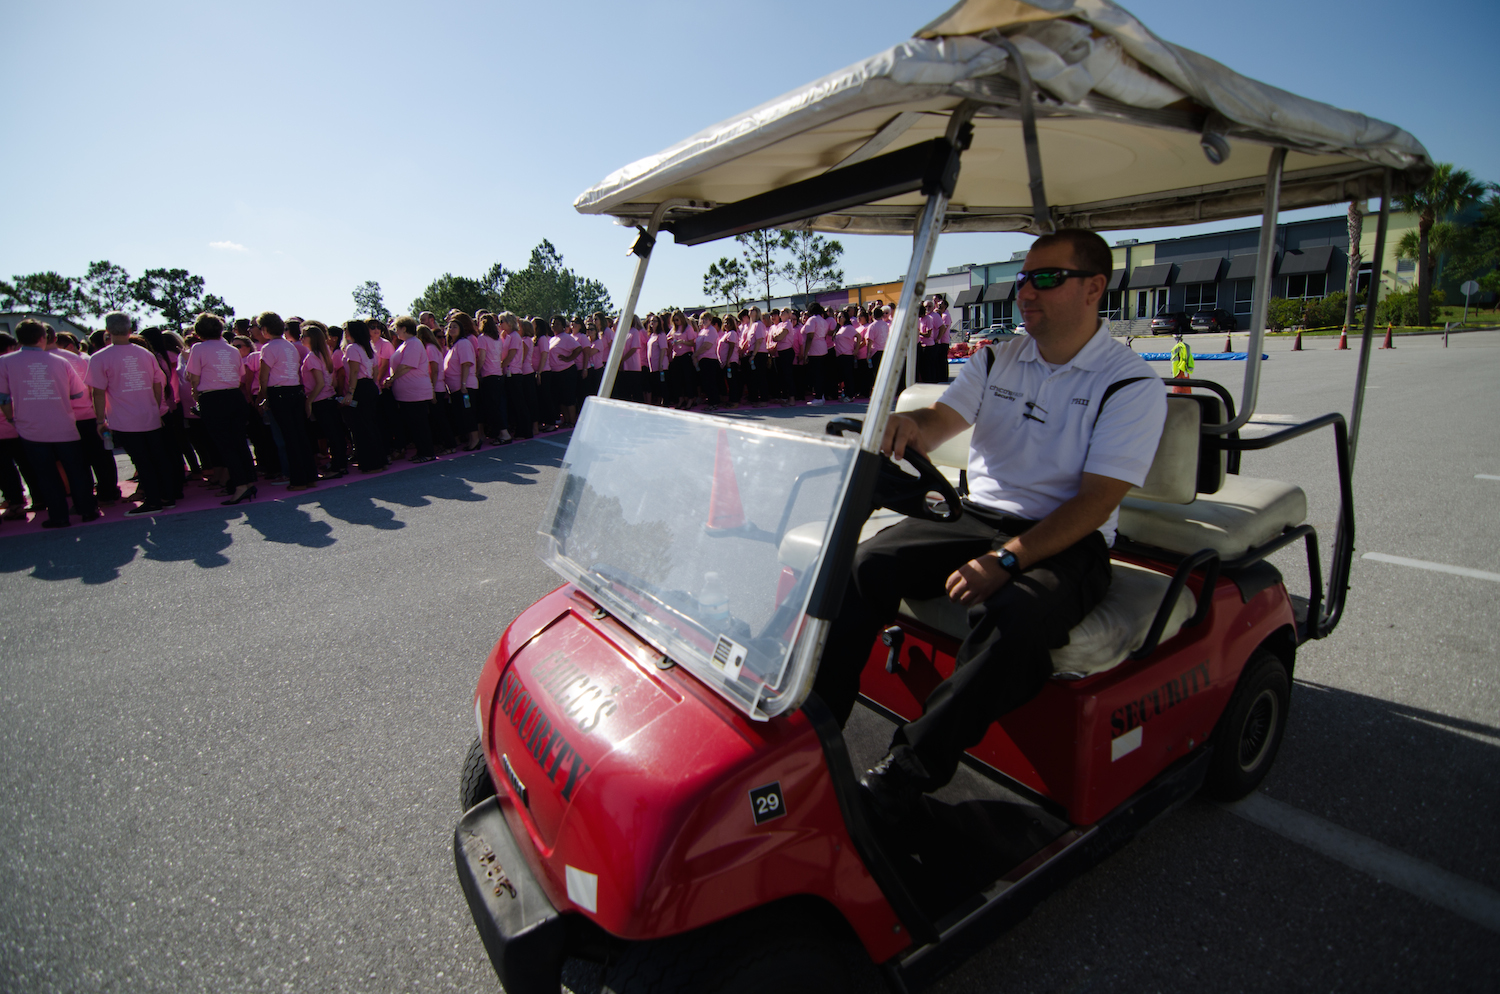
1283, 314
1397, 308
1326, 313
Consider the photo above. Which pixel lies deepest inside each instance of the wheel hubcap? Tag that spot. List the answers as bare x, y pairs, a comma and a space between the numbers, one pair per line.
1260, 726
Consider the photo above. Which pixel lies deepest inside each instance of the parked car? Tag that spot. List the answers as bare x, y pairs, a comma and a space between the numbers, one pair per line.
1215, 320
1170, 323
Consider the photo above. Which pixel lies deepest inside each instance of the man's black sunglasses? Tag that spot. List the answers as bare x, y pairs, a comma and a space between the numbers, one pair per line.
1048, 278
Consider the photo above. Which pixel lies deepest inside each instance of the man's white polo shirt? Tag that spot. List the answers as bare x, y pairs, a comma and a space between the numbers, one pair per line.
1038, 429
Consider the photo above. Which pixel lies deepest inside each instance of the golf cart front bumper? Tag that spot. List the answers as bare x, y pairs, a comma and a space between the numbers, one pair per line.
523, 933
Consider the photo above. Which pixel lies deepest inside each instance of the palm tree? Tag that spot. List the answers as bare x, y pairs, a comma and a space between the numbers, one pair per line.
1444, 238
1356, 221
1447, 192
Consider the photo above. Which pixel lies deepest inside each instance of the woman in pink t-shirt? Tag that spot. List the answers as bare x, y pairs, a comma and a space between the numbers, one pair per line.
629, 379
845, 341
706, 359
443, 439
214, 369
319, 375
410, 380
732, 359
491, 347
362, 397
463, 381
682, 381
655, 357
815, 334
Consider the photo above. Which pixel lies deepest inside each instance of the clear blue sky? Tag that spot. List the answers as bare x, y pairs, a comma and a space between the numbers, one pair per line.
289, 151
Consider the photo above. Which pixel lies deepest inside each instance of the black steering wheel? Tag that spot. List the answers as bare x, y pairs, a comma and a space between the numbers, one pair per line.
906, 494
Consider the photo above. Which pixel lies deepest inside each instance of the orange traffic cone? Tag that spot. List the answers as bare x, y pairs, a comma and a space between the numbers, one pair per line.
1387, 343
1227, 346
1297, 345
724, 509
1344, 338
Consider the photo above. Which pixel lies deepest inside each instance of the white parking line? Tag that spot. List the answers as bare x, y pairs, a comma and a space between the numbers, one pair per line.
1463, 897
1477, 574
1485, 476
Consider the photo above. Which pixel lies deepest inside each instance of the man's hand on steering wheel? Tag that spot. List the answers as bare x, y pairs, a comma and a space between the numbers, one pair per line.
977, 580
901, 430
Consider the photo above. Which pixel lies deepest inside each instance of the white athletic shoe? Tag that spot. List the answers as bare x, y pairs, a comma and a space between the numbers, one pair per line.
815, 402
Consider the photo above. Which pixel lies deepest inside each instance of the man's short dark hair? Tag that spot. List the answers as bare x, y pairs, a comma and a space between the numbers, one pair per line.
31, 331
1090, 251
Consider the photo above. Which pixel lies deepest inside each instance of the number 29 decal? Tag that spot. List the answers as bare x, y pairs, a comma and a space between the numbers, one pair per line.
767, 803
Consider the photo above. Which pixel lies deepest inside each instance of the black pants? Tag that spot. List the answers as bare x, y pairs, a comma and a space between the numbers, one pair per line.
492, 401
570, 387
414, 416
757, 377
45, 456
518, 403
844, 370
148, 451
824, 376
330, 420
547, 406
391, 432
99, 460
1003, 663
262, 443
786, 371
289, 408
222, 413
364, 421
463, 413
682, 382
710, 379
14, 466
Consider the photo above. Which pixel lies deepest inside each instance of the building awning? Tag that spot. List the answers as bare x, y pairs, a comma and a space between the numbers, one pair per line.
969, 296
1150, 276
1199, 271
1117, 280
1241, 267
999, 291
1312, 260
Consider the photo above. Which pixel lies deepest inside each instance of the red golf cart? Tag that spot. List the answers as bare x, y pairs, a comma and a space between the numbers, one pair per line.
655, 787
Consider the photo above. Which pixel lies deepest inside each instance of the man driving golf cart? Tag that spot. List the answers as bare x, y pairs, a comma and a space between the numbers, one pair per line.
1065, 422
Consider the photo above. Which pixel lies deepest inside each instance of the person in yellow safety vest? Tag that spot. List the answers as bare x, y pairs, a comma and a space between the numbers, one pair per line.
1182, 364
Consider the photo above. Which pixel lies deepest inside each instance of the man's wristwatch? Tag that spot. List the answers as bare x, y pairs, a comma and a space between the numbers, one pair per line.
1008, 560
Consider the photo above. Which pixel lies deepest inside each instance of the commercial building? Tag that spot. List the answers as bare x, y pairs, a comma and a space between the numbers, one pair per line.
1208, 272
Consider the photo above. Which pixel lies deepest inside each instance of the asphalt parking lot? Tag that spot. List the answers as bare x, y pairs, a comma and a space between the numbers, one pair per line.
230, 739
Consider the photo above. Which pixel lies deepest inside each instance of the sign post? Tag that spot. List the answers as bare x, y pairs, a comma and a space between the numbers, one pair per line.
1469, 287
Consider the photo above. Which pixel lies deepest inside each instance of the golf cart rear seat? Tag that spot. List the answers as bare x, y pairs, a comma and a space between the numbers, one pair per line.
1166, 513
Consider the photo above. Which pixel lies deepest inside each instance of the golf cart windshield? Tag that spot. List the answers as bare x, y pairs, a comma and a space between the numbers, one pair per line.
671, 522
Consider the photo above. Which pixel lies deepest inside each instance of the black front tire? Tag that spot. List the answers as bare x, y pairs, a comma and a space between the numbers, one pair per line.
765, 950
1250, 731
475, 784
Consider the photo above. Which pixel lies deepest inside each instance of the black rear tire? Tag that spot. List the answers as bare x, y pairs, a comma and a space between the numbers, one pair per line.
773, 949
1250, 731
475, 784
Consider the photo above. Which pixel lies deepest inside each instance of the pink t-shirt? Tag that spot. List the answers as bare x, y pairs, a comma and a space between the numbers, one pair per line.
325, 370
358, 363
463, 349
729, 347
127, 374
540, 359
927, 325
816, 327
682, 341
517, 350
845, 340
417, 384
601, 347
451, 371
284, 361
435, 360
760, 335
556, 346
383, 352
631, 360
40, 387
494, 349
218, 365
879, 332
656, 351
83, 407
250, 365
708, 343
945, 324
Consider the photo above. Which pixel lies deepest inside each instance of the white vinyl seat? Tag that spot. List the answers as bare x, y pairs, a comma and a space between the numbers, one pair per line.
1246, 512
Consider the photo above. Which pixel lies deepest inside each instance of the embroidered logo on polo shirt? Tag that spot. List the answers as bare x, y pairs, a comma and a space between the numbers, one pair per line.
1005, 394
1081, 401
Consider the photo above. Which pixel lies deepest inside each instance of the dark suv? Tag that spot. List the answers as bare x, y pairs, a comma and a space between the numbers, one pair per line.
1217, 320
1170, 323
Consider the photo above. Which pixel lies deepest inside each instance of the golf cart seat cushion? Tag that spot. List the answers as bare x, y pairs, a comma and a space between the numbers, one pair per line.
800, 546
1246, 512
1116, 627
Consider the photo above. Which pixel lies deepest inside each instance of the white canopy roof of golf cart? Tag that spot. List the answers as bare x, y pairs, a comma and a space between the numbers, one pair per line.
1120, 122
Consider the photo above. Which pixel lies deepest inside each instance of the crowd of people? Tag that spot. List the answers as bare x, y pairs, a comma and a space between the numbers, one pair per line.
293, 401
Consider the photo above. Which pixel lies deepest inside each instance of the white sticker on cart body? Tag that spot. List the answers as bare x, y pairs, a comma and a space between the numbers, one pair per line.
1127, 743
729, 656
583, 888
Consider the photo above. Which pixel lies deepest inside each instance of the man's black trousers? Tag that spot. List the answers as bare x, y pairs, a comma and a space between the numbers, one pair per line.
1004, 662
